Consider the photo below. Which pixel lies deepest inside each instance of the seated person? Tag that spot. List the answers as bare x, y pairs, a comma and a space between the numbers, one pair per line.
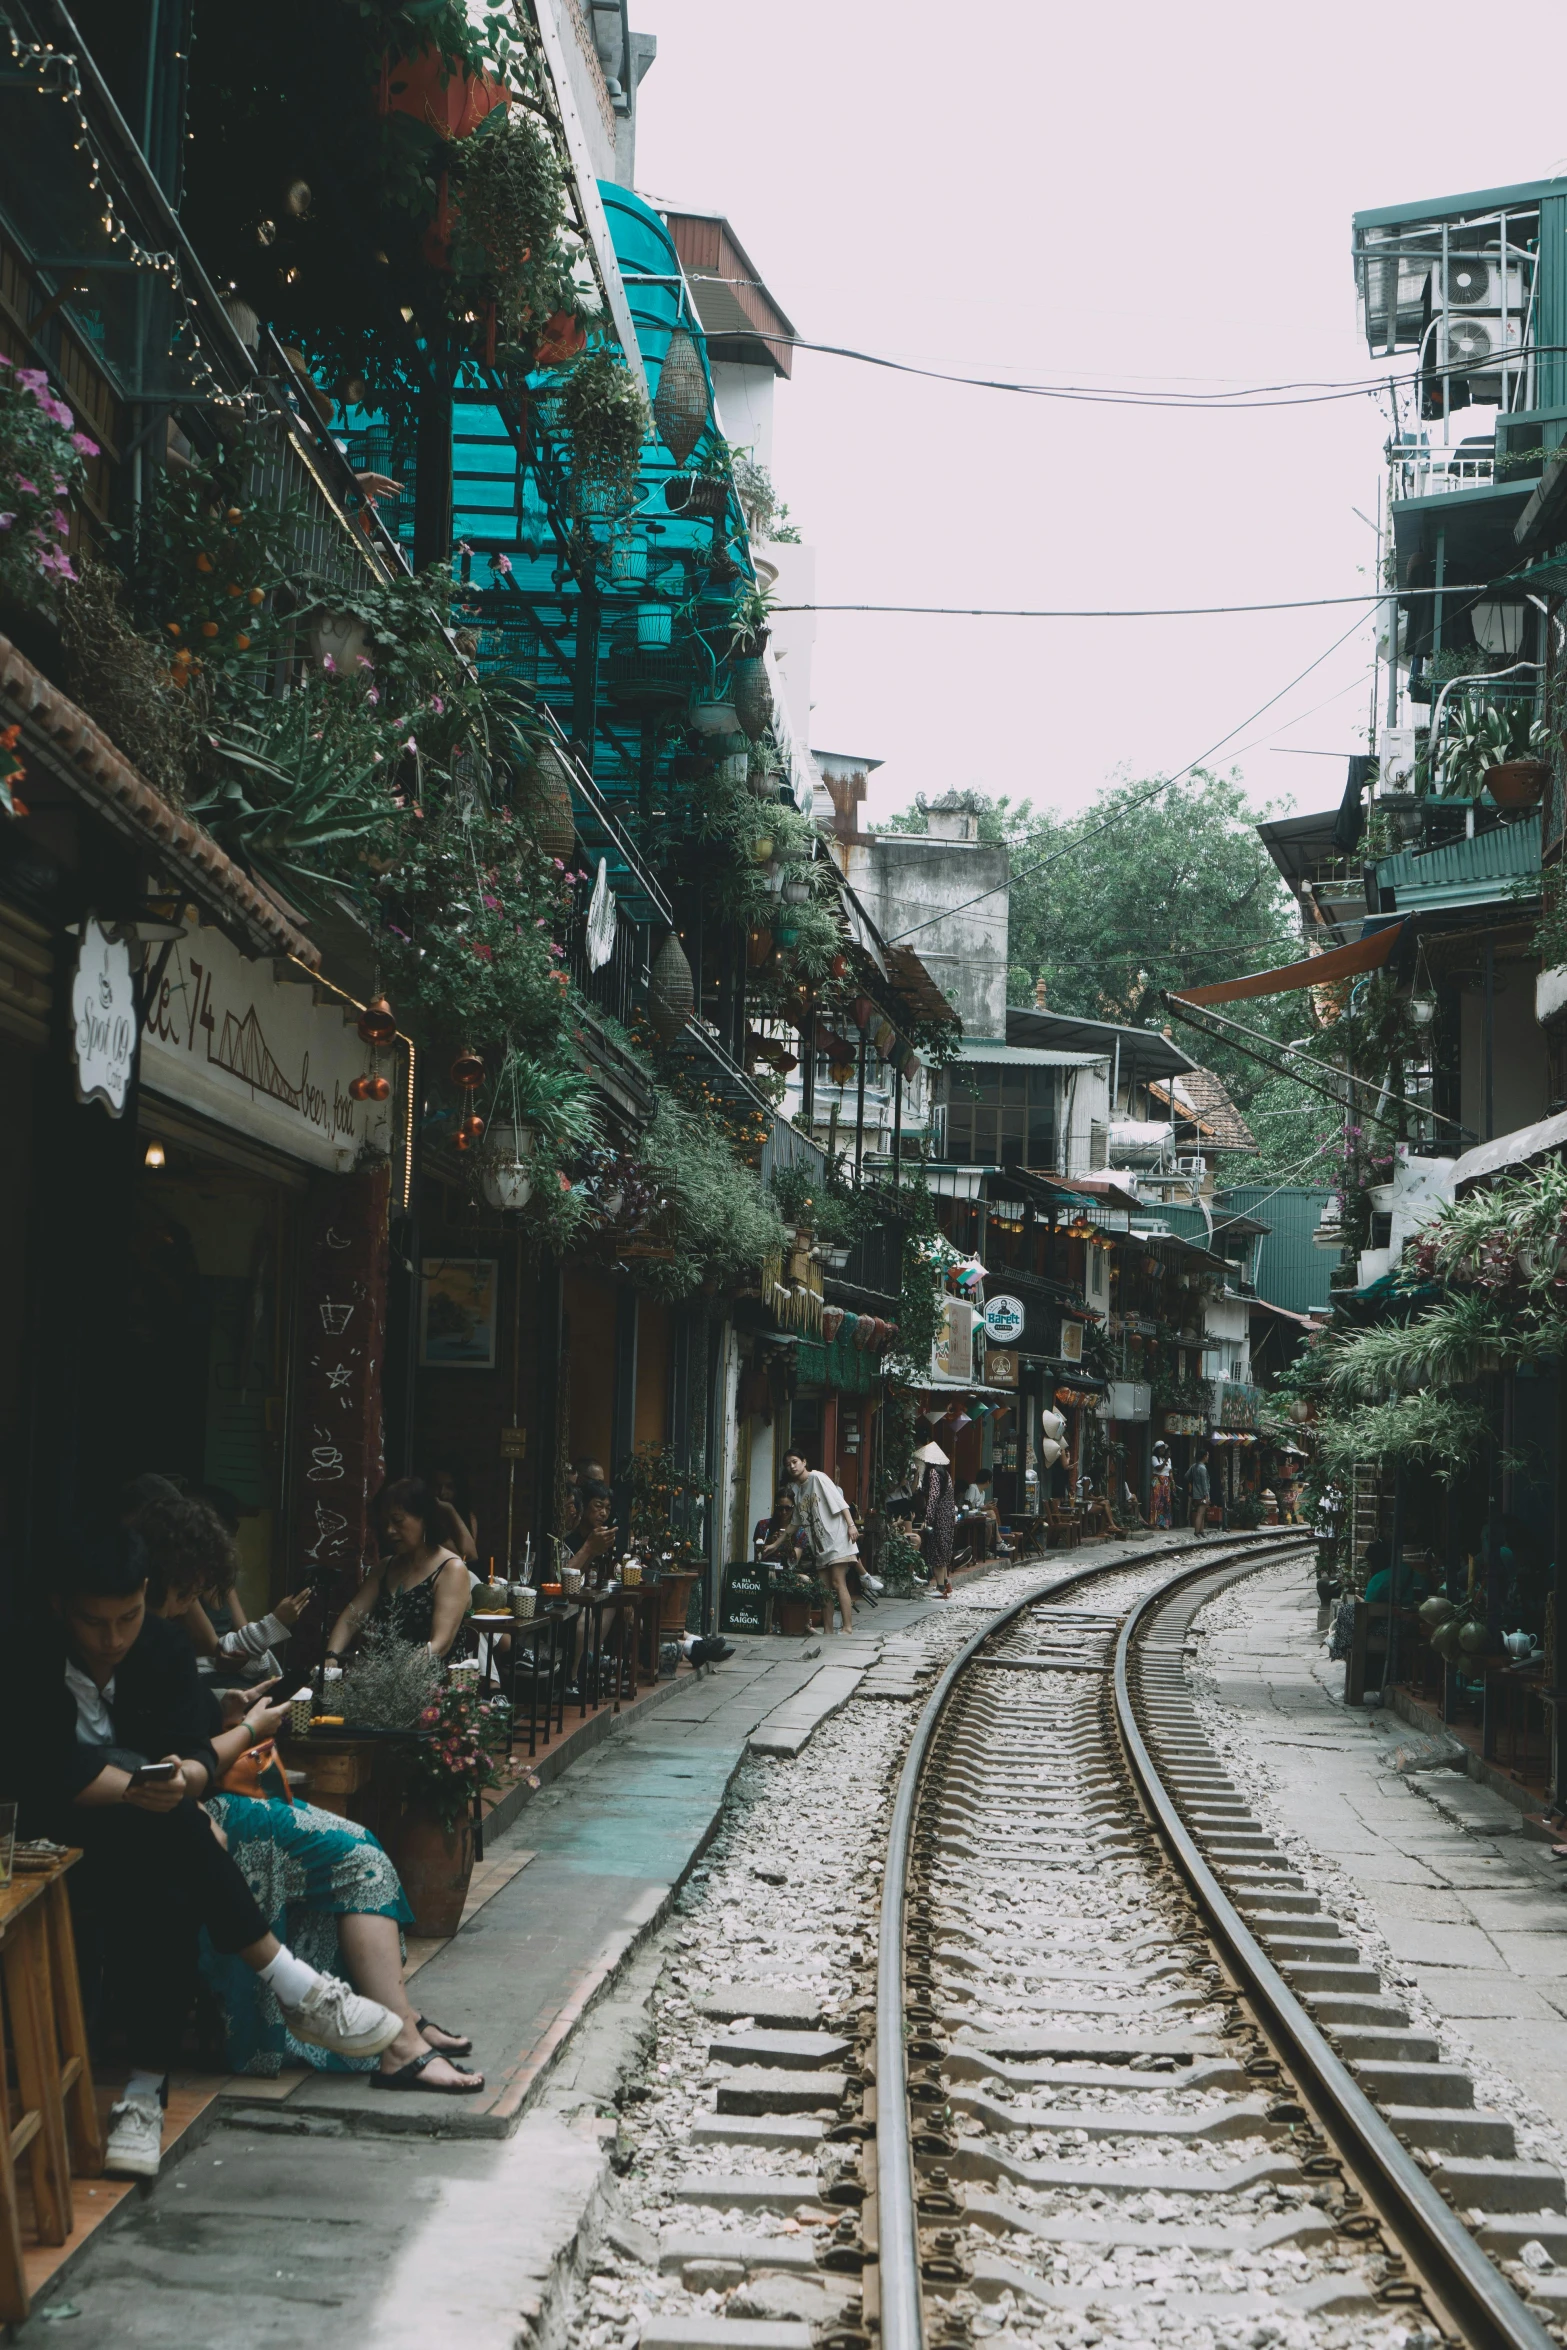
980, 1520
105, 1691
594, 1535
420, 1589
191, 1545
1405, 1588
325, 1878
777, 1537
459, 1526
1098, 1518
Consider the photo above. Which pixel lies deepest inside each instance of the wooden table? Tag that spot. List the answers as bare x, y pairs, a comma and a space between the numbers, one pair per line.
54, 2123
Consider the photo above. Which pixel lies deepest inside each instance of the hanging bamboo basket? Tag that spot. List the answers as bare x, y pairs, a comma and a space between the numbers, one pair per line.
671, 996
753, 697
554, 823
680, 404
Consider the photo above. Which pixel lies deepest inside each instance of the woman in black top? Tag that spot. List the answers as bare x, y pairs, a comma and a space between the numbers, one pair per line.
420, 1590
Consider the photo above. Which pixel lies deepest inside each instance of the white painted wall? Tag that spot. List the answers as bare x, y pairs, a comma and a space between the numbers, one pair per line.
743, 397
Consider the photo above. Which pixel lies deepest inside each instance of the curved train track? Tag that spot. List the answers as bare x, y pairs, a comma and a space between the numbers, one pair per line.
1122, 2059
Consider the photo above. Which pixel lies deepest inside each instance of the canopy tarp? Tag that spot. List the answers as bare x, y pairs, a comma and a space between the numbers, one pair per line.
1367, 954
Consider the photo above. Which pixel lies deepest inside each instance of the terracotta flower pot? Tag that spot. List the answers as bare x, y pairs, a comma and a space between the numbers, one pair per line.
674, 1599
435, 1863
793, 1618
1517, 783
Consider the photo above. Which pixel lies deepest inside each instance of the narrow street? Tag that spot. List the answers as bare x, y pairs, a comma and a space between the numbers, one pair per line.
783, 1529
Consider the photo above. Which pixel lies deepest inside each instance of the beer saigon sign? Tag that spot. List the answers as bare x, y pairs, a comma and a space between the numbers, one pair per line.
221, 1035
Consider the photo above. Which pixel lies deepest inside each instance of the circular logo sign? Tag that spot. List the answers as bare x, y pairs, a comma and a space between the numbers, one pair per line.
1004, 1319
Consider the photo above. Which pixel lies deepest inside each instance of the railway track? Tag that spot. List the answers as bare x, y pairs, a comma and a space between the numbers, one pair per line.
1126, 2076
1014, 2028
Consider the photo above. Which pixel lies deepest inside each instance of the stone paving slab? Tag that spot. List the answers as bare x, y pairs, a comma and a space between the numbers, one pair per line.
1472, 1906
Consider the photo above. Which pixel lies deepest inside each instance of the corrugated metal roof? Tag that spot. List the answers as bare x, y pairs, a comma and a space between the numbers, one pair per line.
1463, 871
1290, 1269
1022, 1056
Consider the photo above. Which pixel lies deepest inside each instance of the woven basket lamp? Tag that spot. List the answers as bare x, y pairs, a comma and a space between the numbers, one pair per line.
554, 822
680, 404
671, 995
753, 697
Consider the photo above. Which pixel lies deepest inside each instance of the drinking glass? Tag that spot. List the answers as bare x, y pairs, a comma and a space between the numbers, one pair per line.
7, 1840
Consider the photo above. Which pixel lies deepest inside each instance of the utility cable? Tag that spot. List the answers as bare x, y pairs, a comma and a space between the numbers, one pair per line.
1126, 807
1144, 611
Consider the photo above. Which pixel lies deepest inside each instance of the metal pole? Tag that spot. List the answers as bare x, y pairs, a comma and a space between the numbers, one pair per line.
859, 1112
1490, 1035
897, 1126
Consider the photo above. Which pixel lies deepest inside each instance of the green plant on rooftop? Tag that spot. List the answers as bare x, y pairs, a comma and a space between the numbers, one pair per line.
1479, 734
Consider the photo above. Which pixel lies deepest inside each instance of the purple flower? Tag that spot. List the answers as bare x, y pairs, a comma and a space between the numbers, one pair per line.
410, 744
494, 904
31, 487
84, 442
329, 665
6, 521
373, 696
32, 379
437, 705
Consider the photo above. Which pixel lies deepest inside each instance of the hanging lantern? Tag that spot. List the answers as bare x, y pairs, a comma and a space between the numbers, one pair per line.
838, 966
508, 1177
885, 1038
377, 1023
467, 1071
862, 1008
671, 992
758, 946
377, 1089
680, 403
910, 1064
554, 825
753, 697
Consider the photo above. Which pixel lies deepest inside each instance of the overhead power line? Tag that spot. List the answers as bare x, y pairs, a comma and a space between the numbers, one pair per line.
1144, 611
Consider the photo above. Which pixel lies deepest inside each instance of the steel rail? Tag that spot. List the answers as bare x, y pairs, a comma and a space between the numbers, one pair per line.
901, 2301
1470, 2287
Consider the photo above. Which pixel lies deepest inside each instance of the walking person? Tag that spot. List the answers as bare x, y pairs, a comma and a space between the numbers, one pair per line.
827, 1523
1161, 1508
938, 1516
1198, 1488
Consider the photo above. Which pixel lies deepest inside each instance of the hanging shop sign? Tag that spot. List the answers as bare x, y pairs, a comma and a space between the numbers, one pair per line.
223, 1036
1184, 1424
1004, 1318
1237, 1404
1001, 1367
952, 1352
103, 1018
1130, 1399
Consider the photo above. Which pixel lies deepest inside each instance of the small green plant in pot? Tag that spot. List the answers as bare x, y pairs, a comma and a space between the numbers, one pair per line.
605, 412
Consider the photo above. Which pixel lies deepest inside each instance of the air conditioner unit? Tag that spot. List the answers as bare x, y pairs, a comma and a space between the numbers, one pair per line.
1474, 282
1470, 349
1189, 1166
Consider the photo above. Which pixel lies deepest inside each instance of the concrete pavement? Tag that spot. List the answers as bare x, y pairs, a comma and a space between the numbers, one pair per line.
1472, 1912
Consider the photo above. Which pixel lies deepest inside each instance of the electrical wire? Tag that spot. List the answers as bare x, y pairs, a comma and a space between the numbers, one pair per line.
1297, 392
1126, 808
1146, 611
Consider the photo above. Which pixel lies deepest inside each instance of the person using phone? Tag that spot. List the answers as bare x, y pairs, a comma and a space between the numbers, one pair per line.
104, 1690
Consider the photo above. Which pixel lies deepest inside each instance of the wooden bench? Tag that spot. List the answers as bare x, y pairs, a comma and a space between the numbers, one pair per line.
53, 2121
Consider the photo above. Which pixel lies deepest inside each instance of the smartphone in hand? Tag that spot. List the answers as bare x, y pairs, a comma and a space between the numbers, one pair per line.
156, 1774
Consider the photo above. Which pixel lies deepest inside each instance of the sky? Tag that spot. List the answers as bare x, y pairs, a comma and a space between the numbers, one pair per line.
1140, 196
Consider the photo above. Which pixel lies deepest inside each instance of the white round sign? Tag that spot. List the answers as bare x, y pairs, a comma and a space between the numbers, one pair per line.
1004, 1319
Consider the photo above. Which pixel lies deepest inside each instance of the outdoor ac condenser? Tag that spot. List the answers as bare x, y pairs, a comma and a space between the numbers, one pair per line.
1474, 282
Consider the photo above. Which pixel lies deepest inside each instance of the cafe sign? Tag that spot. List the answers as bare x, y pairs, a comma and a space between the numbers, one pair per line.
103, 1018
221, 1035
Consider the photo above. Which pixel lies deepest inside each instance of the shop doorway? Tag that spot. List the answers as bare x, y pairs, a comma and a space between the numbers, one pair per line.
210, 1251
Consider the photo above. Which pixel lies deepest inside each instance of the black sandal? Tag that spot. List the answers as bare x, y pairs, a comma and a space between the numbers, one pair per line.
407, 2076
461, 2045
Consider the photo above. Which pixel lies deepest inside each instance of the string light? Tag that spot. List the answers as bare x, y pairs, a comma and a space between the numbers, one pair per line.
46, 61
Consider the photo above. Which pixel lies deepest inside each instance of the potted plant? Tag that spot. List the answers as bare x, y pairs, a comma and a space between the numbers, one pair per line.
750, 618
449, 1768
604, 411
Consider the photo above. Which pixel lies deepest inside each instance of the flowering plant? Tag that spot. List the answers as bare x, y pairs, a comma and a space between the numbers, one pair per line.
454, 1760
41, 468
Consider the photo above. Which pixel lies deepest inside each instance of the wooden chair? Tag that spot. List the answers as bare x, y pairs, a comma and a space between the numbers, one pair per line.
55, 2122
1063, 1524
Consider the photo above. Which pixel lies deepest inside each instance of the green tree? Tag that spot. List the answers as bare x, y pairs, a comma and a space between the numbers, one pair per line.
1136, 895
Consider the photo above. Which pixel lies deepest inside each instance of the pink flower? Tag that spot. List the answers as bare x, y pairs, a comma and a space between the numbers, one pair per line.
31, 487
374, 698
329, 665
6, 521
503, 566
410, 744
84, 444
559, 867
494, 904
32, 379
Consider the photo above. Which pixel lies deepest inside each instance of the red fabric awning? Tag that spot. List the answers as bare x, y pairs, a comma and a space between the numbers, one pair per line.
1367, 954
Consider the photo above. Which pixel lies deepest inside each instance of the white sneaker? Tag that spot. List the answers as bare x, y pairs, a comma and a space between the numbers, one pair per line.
135, 2138
332, 2016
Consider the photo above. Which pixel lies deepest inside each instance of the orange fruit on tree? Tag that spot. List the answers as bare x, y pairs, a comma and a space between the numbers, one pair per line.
209, 628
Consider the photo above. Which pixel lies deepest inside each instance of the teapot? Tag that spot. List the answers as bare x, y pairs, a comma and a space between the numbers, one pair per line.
1519, 1646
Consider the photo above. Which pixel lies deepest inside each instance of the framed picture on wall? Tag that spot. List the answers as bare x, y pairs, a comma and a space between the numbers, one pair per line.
458, 1311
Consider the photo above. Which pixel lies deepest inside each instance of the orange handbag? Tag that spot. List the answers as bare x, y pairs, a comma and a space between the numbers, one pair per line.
258, 1772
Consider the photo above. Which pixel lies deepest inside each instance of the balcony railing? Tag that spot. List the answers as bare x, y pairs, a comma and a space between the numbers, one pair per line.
1433, 472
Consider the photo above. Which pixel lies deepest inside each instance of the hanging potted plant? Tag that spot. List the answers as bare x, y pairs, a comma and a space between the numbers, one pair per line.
604, 411
750, 619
